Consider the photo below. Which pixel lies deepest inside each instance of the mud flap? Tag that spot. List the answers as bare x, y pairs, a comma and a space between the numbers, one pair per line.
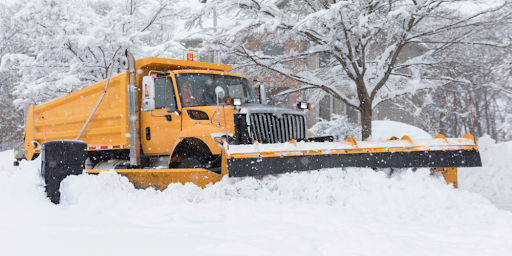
59, 159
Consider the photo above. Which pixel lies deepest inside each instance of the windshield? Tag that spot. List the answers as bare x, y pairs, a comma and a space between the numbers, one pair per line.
199, 89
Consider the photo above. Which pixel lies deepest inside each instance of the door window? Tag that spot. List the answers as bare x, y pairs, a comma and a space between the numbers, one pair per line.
159, 93
171, 98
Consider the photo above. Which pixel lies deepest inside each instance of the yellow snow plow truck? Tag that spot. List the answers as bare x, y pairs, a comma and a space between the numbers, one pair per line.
169, 120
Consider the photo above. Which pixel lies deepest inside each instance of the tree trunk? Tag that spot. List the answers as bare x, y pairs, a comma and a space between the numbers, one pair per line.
366, 121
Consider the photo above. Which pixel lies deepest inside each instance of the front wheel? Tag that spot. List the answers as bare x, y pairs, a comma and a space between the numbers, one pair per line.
193, 162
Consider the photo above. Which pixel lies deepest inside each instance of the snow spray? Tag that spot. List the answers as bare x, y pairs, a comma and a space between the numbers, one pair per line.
472, 122
225, 125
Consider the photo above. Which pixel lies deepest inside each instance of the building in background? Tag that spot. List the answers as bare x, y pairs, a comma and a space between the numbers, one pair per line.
323, 108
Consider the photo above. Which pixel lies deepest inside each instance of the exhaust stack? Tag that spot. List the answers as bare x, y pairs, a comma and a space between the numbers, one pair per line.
133, 112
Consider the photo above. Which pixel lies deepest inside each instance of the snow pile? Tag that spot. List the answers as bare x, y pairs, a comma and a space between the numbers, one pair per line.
355, 189
19, 183
494, 179
340, 128
383, 130
352, 211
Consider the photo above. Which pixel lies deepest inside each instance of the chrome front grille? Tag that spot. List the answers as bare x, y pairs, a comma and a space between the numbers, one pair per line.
267, 128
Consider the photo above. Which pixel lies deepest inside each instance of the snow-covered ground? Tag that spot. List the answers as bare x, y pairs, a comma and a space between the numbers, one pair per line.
329, 212
494, 179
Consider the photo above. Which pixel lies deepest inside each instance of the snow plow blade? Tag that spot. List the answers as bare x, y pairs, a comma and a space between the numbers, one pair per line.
161, 178
440, 154
265, 159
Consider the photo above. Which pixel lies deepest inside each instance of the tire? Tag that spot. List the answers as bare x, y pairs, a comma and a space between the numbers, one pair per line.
191, 153
193, 162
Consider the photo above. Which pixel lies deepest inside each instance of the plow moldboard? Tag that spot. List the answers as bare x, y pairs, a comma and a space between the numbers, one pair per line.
253, 166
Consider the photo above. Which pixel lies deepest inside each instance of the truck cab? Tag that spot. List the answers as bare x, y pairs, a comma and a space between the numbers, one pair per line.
187, 116
182, 113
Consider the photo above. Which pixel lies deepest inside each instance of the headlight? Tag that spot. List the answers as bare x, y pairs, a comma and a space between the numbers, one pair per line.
237, 102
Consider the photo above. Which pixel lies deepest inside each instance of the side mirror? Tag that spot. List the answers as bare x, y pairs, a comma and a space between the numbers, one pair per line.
220, 92
263, 95
148, 93
148, 105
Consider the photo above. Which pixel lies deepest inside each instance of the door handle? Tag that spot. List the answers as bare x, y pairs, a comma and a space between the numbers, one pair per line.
168, 117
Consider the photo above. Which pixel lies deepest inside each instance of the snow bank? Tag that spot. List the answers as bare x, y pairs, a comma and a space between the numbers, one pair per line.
340, 128
383, 130
329, 212
494, 179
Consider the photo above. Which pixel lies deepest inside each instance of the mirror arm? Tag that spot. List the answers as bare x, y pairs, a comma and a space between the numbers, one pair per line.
218, 113
211, 119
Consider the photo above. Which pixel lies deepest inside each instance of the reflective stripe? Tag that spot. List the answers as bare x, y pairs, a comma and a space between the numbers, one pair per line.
106, 147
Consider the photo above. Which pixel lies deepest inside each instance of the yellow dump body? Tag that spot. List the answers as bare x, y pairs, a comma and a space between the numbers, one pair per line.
64, 117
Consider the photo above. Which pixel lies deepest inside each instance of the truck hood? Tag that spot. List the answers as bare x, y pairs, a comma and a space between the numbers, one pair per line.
277, 111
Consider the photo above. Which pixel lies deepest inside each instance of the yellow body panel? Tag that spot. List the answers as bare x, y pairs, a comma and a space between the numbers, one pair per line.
202, 129
165, 135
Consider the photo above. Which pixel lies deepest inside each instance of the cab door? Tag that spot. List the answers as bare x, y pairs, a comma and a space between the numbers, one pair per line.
162, 126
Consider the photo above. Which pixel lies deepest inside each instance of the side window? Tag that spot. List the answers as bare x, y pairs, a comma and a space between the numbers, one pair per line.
171, 98
324, 59
272, 49
159, 93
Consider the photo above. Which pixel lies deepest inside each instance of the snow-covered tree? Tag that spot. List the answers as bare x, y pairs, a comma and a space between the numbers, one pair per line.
72, 44
479, 74
478, 104
378, 49
11, 118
